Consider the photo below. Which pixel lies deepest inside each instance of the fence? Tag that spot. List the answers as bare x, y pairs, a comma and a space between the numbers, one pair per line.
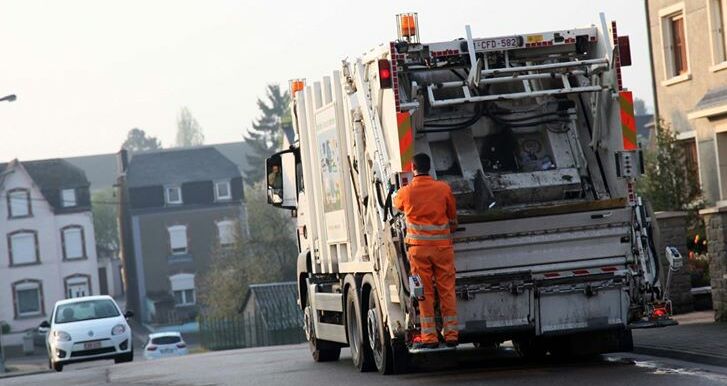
245, 331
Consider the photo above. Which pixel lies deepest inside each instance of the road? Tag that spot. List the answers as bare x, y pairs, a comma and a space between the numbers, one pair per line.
291, 365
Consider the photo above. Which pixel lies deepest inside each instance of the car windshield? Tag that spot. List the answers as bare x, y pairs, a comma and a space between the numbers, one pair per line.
86, 310
166, 340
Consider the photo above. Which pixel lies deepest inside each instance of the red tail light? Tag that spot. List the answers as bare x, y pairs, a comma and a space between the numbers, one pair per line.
151, 348
384, 73
181, 345
658, 313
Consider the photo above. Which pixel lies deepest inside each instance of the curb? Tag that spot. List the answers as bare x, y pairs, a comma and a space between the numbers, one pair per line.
684, 355
22, 373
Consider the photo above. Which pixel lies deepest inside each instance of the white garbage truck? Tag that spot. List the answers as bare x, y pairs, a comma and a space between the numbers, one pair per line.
535, 135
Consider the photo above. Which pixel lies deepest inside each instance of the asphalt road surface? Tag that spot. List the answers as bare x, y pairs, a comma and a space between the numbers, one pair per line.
292, 365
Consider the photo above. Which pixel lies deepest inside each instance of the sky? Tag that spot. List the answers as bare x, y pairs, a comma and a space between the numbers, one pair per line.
87, 71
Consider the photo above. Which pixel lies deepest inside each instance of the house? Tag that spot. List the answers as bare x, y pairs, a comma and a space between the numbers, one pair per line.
273, 308
178, 205
47, 242
689, 64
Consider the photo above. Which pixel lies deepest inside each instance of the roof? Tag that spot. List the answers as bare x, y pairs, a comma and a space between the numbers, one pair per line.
712, 98
642, 122
179, 165
54, 173
100, 169
276, 304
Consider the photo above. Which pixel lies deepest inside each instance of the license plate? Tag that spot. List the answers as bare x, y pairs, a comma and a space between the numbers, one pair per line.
91, 345
498, 44
166, 350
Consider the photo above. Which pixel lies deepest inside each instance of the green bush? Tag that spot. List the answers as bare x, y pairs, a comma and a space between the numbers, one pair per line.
4, 327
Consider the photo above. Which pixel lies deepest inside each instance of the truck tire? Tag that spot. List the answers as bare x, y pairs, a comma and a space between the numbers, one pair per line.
358, 341
389, 357
321, 351
530, 348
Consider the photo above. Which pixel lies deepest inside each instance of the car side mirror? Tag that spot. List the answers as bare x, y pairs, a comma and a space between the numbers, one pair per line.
44, 324
129, 314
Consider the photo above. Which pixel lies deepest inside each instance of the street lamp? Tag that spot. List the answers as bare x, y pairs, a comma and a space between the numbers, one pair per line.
9, 98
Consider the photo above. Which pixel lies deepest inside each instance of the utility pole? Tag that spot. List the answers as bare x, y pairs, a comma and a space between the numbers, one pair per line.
8, 98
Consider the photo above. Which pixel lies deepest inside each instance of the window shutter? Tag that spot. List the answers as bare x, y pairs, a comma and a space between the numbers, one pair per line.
680, 45
73, 243
23, 249
226, 231
178, 238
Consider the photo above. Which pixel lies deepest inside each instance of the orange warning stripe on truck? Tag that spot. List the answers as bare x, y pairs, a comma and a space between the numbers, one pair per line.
406, 140
628, 121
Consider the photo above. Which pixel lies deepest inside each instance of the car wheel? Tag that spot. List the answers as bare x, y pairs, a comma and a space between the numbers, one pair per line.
57, 366
127, 357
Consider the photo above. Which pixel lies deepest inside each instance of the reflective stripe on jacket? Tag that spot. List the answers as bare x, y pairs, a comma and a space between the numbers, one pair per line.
430, 209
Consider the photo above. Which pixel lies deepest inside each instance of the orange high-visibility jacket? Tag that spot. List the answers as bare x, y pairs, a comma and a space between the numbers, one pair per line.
430, 209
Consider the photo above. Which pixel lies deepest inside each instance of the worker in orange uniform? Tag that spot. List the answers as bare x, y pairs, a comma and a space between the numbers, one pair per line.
431, 218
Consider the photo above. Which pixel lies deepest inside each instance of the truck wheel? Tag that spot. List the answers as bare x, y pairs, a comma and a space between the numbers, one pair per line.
57, 366
322, 351
389, 357
358, 341
530, 348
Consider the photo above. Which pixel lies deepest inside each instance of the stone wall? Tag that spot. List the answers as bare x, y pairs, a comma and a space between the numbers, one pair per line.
715, 223
670, 230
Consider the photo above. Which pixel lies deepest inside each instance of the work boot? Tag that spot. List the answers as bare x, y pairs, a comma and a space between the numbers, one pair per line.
421, 345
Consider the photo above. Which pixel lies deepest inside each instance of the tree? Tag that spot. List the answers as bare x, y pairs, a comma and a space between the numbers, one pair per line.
189, 132
104, 209
137, 140
639, 107
667, 183
266, 135
267, 254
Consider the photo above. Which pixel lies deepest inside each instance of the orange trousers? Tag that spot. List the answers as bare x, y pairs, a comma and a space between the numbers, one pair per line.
436, 263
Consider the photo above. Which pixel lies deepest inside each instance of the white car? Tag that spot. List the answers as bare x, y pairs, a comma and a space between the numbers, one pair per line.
165, 344
88, 328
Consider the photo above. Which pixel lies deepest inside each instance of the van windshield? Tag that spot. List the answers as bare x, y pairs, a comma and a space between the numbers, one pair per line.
85, 310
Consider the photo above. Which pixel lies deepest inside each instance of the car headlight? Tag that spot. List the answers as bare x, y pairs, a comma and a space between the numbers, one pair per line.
118, 329
61, 336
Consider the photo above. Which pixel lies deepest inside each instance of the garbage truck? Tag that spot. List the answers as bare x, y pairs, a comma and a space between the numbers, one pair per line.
535, 135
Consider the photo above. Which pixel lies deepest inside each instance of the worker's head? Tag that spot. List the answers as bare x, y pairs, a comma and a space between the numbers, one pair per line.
422, 163
276, 168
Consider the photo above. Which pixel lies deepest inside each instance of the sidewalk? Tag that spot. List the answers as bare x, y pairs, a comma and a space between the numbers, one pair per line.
697, 338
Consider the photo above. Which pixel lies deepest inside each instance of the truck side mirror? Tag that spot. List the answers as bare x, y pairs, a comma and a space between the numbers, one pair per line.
280, 179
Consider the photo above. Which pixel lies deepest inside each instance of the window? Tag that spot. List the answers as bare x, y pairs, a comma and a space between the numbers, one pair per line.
19, 203
184, 297
28, 298
68, 198
674, 41
222, 190
86, 310
716, 22
173, 194
77, 285
178, 239
226, 232
23, 247
183, 289
73, 240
